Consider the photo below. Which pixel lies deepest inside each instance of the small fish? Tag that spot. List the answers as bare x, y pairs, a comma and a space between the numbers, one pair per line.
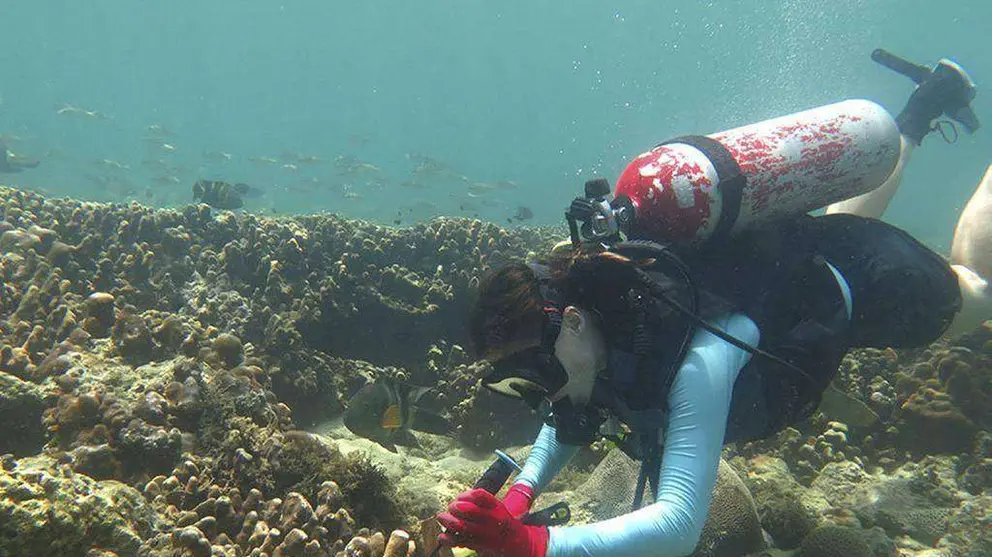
842, 407
427, 165
301, 158
221, 195
264, 160
12, 163
167, 180
385, 411
421, 208
220, 156
113, 164
522, 214
480, 188
69, 110
353, 166
159, 130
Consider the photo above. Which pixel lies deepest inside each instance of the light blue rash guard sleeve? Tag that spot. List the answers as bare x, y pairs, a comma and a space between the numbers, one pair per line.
699, 404
547, 458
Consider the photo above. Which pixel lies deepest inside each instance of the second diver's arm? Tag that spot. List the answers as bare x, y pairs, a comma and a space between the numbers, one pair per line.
699, 405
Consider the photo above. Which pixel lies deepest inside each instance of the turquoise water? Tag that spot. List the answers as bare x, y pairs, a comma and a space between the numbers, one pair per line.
541, 95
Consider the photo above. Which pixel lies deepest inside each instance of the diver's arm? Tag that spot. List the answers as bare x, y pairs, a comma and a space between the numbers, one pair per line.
700, 404
546, 459
874, 203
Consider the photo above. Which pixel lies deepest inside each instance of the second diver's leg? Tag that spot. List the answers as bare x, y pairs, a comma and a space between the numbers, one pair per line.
971, 259
874, 203
946, 89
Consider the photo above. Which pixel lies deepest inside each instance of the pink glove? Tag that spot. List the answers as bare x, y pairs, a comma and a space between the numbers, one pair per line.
478, 520
519, 499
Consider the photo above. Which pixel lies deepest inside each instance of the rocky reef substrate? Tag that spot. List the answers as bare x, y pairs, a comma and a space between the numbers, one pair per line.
163, 375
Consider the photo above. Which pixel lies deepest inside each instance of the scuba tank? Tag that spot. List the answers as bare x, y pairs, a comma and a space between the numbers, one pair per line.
785, 166
696, 188
707, 187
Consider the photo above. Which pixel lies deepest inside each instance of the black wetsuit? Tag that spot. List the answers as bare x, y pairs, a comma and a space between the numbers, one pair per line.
901, 294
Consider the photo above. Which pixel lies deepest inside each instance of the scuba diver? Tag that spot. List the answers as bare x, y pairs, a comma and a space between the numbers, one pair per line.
703, 305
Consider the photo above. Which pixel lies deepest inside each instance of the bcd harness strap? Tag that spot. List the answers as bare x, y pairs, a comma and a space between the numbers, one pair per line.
731, 184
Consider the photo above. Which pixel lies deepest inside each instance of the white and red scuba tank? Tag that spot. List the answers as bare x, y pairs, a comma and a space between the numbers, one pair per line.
700, 187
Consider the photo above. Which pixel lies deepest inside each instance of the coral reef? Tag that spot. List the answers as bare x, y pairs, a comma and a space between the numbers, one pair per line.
21, 407
835, 541
139, 344
158, 368
48, 509
733, 526
785, 511
913, 509
208, 518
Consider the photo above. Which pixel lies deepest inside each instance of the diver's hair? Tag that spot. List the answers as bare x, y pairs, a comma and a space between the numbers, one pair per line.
508, 309
602, 281
509, 305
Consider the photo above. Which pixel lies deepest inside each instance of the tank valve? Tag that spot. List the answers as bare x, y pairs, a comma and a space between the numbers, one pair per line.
595, 218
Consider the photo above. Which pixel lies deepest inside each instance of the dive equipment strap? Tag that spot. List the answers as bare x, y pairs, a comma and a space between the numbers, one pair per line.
732, 180
650, 468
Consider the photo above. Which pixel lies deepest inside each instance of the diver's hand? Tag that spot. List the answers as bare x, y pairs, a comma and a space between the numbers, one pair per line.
519, 499
478, 520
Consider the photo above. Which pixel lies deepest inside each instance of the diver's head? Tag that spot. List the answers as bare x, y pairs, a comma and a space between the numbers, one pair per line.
514, 325
548, 330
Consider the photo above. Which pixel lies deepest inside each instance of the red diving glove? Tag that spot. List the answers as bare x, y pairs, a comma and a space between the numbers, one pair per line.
518, 499
478, 520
